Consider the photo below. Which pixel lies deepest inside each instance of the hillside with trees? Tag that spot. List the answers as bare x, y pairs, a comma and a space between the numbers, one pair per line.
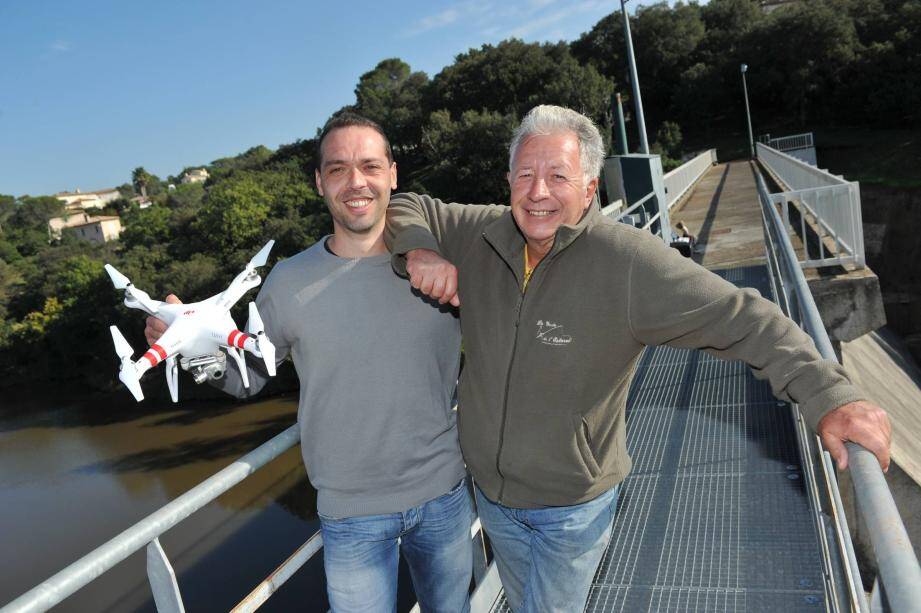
839, 63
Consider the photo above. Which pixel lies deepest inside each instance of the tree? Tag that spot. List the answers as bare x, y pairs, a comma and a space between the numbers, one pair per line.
470, 156
513, 77
668, 139
604, 47
253, 158
7, 208
810, 46
391, 95
233, 214
665, 39
726, 23
140, 178
146, 227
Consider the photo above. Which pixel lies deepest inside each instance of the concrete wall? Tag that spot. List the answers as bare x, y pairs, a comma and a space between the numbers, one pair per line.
892, 233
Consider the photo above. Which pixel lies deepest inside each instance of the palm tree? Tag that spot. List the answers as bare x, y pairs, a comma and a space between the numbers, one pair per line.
140, 178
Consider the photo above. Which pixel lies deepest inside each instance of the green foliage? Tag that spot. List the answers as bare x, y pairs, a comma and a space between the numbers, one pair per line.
186, 196
144, 183
145, 227
232, 215
513, 77
251, 159
391, 95
668, 139
847, 61
470, 156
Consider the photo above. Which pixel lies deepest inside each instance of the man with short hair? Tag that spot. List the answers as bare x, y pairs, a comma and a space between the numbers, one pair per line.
557, 303
378, 366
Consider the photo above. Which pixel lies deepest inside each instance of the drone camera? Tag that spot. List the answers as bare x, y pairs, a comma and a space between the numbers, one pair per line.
205, 367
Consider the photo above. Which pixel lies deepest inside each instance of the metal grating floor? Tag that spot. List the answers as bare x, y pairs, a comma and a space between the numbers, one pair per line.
714, 515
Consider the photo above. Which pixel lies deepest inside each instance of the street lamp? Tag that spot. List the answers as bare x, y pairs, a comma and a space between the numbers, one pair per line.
748, 115
635, 80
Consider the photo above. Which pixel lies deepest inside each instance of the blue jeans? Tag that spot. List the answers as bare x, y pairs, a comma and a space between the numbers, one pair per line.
547, 557
361, 556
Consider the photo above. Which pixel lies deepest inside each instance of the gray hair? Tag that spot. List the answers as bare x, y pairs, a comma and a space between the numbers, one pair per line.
549, 119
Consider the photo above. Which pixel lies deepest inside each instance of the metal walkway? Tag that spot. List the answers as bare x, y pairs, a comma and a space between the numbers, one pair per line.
714, 515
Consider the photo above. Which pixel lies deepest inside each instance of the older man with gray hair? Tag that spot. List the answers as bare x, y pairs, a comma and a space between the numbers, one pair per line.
557, 303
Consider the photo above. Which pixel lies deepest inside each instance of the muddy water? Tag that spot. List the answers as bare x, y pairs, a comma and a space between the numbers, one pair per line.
76, 474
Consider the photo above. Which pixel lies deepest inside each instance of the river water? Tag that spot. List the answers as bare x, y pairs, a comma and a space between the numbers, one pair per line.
75, 474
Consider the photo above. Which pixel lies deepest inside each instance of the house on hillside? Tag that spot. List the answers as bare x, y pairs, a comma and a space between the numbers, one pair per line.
57, 224
196, 175
142, 201
97, 229
87, 200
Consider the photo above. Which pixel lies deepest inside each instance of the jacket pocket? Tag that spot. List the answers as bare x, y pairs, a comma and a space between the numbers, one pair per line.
583, 440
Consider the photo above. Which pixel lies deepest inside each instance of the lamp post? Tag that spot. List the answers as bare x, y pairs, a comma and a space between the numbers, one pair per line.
748, 115
634, 80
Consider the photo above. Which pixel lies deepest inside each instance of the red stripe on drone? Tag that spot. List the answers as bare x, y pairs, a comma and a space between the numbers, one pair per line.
151, 358
159, 351
232, 337
241, 340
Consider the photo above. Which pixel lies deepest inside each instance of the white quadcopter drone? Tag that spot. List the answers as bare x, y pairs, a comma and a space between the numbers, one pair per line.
197, 332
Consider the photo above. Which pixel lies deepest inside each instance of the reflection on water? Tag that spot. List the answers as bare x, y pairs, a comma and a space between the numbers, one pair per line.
74, 476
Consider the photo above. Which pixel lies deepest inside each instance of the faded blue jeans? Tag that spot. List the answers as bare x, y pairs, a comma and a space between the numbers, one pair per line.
547, 557
361, 556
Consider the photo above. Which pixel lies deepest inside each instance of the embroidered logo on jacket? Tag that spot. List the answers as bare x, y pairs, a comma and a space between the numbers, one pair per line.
552, 334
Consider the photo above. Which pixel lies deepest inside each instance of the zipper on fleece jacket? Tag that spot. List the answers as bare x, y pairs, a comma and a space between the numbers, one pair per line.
508, 375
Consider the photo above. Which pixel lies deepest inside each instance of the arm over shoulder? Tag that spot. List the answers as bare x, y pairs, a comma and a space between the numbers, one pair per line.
417, 221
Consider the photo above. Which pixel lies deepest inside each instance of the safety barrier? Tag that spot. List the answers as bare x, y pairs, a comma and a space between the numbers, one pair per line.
829, 223
898, 585
680, 180
160, 574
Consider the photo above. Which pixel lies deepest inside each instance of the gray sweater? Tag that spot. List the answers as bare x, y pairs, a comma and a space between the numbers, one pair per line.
378, 366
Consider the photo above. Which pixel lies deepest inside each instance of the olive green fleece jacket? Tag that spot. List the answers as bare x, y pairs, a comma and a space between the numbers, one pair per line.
543, 392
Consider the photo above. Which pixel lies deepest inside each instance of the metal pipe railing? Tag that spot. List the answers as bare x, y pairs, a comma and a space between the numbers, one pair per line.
146, 532
795, 173
680, 180
899, 571
61, 585
794, 141
832, 202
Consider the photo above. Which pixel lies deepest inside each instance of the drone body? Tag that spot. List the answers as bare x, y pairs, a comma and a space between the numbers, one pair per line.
197, 333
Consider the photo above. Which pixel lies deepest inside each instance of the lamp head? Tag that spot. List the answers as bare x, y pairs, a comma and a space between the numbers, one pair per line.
744, 68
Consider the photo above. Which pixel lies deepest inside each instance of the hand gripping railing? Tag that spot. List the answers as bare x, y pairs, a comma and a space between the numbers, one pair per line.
898, 586
828, 205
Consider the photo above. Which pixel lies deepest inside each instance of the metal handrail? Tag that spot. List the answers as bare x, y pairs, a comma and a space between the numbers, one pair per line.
147, 531
796, 173
840, 215
61, 585
679, 181
899, 571
794, 141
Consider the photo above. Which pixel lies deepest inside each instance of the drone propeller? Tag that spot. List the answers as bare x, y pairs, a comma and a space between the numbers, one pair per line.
172, 378
134, 297
119, 280
262, 257
266, 348
128, 373
246, 280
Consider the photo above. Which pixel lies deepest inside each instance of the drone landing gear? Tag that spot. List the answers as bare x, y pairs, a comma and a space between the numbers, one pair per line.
202, 368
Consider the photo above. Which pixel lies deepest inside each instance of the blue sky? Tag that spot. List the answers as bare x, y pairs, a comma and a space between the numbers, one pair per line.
91, 89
